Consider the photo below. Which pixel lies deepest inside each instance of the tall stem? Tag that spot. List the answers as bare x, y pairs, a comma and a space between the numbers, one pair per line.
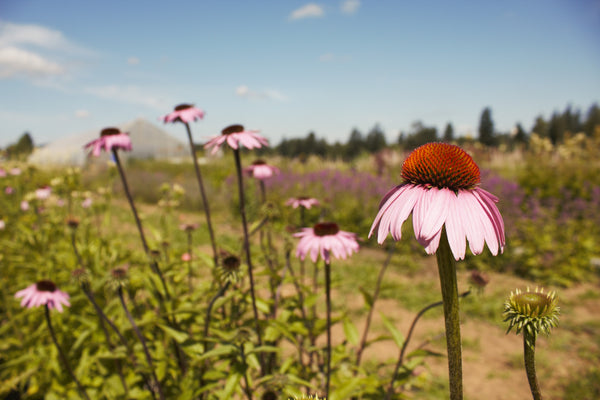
529, 357
138, 222
328, 305
203, 194
238, 166
447, 271
143, 342
62, 354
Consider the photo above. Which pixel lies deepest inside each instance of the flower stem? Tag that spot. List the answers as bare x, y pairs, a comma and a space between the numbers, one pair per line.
143, 342
62, 354
203, 194
238, 165
529, 357
447, 271
328, 305
138, 222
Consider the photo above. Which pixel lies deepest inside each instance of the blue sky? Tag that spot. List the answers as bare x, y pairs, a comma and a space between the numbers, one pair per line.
290, 67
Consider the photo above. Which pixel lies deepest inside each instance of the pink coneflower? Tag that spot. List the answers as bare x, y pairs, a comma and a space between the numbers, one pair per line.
110, 138
15, 171
186, 257
261, 170
43, 193
2, 172
87, 203
185, 113
440, 189
236, 136
325, 238
305, 202
9, 190
2, 224
24, 205
43, 293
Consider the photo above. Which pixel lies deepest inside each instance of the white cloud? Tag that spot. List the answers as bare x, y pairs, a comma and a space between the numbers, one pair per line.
129, 94
327, 57
310, 10
350, 6
268, 94
15, 61
82, 114
133, 61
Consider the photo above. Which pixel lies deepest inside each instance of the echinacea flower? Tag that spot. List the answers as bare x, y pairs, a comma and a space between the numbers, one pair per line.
24, 205
324, 239
2, 224
261, 170
440, 189
2, 172
43, 293
184, 113
305, 202
532, 311
43, 193
110, 138
15, 171
236, 136
186, 257
87, 203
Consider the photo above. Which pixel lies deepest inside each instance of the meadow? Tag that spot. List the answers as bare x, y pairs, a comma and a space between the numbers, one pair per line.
172, 316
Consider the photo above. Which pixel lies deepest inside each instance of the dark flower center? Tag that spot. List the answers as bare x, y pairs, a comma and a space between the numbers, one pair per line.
73, 222
233, 129
441, 165
45, 286
533, 301
326, 228
110, 131
231, 263
119, 273
182, 107
259, 162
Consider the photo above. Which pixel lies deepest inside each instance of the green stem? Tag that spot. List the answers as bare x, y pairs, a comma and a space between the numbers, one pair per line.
62, 355
529, 356
447, 271
238, 165
203, 194
328, 305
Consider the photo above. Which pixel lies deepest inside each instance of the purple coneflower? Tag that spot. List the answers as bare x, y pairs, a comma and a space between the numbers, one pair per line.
236, 136
43, 193
303, 201
325, 239
2, 172
24, 205
185, 113
15, 171
261, 170
110, 138
448, 208
440, 189
9, 190
43, 293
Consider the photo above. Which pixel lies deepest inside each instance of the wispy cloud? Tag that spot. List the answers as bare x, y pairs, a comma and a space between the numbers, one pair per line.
32, 51
267, 94
15, 61
350, 6
82, 114
130, 95
310, 10
133, 61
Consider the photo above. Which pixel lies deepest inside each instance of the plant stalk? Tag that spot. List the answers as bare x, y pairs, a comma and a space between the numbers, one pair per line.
529, 357
328, 305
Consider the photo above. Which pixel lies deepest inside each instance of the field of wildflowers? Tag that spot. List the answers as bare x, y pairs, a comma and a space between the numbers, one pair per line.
247, 278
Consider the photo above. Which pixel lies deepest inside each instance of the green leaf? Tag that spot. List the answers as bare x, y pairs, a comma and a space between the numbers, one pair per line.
179, 336
350, 331
367, 297
396, 335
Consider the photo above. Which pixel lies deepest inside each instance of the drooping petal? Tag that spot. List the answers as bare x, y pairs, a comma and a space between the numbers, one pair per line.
468, 209
455, 229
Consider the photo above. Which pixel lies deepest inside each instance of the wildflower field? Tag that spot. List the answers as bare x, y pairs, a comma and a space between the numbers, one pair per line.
240, 278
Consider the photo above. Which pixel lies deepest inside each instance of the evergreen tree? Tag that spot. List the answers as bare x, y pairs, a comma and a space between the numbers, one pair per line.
420, 134
486, 128
592, 121
520, 134
448, 133
557, 128
540, 127
375, 140
355, 145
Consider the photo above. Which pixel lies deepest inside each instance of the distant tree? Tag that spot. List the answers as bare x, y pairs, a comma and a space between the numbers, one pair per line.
520, 135
572, 120
557, 128
486, 128
448, 133
540, 127
419, 135
355, 145
21, 149
375, 140
592, 120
